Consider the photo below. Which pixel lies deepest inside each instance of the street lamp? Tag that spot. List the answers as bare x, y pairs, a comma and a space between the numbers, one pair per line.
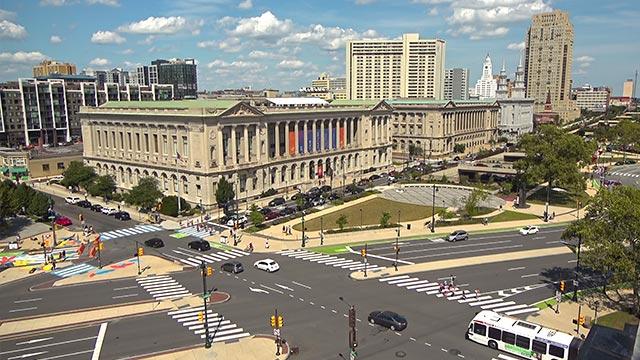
304, 242
575, 282
352, 338
433, 208
397, 249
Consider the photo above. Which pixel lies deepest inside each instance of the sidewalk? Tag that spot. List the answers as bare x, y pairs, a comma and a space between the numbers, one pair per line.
259, 347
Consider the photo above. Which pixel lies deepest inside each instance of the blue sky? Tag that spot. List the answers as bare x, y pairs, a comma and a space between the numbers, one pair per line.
283, 44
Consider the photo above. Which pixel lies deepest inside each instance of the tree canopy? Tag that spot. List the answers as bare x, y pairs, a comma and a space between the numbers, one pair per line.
611, 241
103, 186
169, 205
224, 192
145, 194
78, 175
256, 217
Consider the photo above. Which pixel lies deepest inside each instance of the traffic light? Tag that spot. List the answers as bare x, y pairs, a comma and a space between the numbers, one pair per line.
140, 251
200, 316
101, 245
562, 285
363, 252
46, 243
352, 318
280, 322
273, 321
581, 320
209, 271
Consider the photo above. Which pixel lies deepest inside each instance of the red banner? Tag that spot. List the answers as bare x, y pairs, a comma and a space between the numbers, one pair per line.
292, 142
342, 137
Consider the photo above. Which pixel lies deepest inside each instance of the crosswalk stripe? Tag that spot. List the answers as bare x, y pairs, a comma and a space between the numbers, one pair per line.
430, 288
182, 311
343, 263
509, 308
410, 283
486, 297
355, 266
222, 325
313, 256
239, 252
327, 260
523, 311
419, 286
285, 252
479, 303
402, 281
229, 337
393, 278
337, 260
105, 237
449, 294
161, 287
192, 315
299, 254
323, 257
136, 230
492, 306
174, 290
73, 270
218, 319
127, 231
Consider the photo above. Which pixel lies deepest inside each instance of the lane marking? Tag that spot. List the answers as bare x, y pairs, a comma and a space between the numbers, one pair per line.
124, 296
529, 275
572, 261
27, 355
28, 300
66, 355
34, 341
272, 289
517, 268
467, 251
99, 341
284, 287
125, 288
52, 344
23, 309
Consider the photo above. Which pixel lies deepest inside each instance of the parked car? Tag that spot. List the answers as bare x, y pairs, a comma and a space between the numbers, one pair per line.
313, 192
63, 221
271, 215
527, 230
265, 211
233, 267
374, 177
267, 265
71, 199
122, 215
333, 196
277, 202
236, 219
299, 195
288, 211
154, 243
352, 189
388, 319
458, 235
317, 201
325, 188
96, 207
109, 211
84, 204
626, 162
200, 245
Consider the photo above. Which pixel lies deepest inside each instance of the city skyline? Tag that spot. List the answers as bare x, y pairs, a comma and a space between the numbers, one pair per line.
263, 44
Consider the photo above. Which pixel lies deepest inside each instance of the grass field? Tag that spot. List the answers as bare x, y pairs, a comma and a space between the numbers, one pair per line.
506, 215
558, 198
371, 212
617, 320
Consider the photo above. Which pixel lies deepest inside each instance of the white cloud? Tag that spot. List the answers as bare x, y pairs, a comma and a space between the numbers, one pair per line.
291, 64
107, 37
260, 54
433, 12
232, 44
475, 33
245, 5
7, 15
584, 58
328, 38
10, 30
55, 39
131, 65
148, 40
226, 21
236, 69
516, 46
160, 25
206, 44
579, 72
22, 57
364, 2
431, 2
126, 51
264, 26
54, 2
99, 62
113, 3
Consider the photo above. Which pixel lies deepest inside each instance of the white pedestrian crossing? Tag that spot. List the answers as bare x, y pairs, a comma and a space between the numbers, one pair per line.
220, 329
139, 229
195, 258
163, 287
333, 261
73, 270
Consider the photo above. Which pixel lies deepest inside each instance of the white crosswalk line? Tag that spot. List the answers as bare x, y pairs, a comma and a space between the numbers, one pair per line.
523, 311
323, 257
492, 306
412, 283
394, 278
324, 261
401, 281
220, 329
486, 297
480, 303
429, 289
285, 252
345, 262
510, 308
418, 286
356, 266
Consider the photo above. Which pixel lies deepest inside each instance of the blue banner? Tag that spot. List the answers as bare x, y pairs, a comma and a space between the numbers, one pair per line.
318, 143
334, 137
310, 139
326, 138
301, 141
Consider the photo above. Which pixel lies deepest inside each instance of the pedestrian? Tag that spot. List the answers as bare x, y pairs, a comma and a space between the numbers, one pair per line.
53, 264
441, 287
477, 293
553, 215
452, 278
64, 253
284, 229
266, 243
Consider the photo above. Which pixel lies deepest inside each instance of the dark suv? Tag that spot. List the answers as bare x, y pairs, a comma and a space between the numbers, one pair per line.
277, 202
200, 245
233, 267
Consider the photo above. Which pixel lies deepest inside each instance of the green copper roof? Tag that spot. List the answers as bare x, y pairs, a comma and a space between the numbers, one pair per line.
416, 102
355, 102
171, 104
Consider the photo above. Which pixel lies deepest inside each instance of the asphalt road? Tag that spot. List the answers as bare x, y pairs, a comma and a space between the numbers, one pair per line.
626, 174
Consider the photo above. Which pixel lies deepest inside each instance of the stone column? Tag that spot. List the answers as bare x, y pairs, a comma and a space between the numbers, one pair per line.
330, 134
277, 137
286, 139
247, 156
220, 147
305, 137
257, 142
354, 127
234, 146
322, 135
313, 136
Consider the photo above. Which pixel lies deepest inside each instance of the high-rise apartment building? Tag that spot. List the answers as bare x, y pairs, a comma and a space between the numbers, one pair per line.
118, 76
627, 88
456, 83
48, 67
548, 61
180, 73
146, 75
486, 86
327, 88
593, 98
385, 69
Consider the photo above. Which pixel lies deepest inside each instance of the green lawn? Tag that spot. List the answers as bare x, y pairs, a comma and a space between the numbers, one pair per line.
617, 320
558, 198
371, 212
509, 215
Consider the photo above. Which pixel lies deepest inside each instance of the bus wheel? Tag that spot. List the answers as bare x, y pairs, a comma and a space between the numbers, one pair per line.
493, 345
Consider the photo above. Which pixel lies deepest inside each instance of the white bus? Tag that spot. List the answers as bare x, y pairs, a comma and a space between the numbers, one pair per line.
522, 338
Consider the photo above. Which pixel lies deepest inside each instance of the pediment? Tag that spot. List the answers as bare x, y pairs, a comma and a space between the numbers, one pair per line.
449, 105
382, 105
241, 109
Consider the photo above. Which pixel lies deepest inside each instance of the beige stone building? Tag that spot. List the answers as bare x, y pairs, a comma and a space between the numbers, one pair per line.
48, 67
435, 127
389, 69
627, 88
548, 62
190, 145
39, 162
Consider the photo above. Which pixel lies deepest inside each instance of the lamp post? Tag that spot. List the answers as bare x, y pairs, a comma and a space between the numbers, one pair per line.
304, 242
575, 282
207, 340
352, 338
397, 248
546, 204
321, 232
433, 209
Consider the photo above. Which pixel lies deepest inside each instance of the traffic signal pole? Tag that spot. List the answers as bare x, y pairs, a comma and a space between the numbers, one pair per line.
207, 341
138, 256
353, 340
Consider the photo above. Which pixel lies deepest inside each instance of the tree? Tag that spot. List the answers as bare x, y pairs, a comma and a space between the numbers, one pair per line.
39, 204
384, 219
224, 192
414, 150
342, 221
145, 194
103, 186
20, 198
553, 156
256, 217
459, 148
78, 174
6, 194
473, 200
169, 205
610, 240
626, 135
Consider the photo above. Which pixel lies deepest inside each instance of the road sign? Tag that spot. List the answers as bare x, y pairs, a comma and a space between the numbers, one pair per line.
276, 332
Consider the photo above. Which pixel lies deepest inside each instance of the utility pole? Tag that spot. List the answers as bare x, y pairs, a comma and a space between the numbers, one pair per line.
433, 209
139, 252
575, 282
352, 334
276, 323
321, 232
364, 255
205, 295
546, 204
397, 247
99, 244
304, 242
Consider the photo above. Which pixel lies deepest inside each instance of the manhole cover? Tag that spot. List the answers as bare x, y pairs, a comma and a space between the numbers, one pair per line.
455, 352
401, 354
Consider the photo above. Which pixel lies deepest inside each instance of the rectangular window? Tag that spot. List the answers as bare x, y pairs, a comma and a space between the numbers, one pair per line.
129, 138
480, 329
155, 143
106, 139
556, 351
523, 342
61, 165
45, 167
165, 145
539, 347
99, 139
146, 142
113, 139
509, 338
175, 145
185, 187
185, 147
138, 141
198, 190
121, 140
495, 334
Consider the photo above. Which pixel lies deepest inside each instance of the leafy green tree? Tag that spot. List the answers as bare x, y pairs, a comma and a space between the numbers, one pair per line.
103, 186
553, 156
6, 195
626, 135
459, 148
39, 205
299, 202
473, 200
384, 219
414, 150
169, 205
256, 217
78, 175
20, 198
342, 221
145, 194
610, 241
224, 192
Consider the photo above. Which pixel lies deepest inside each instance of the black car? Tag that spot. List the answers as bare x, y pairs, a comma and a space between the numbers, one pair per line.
277, 202
333, 196
122, 215
388, 319
265, 211
96, 207
288, 211
200, 245
84, 204
233, 267
313, 192
325, 188
374, 177
297, 196
154, 243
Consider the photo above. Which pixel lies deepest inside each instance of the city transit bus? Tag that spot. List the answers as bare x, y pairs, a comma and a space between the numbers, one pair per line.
522, 338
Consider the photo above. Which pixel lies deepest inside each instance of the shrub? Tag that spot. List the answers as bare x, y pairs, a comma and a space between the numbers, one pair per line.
169, 205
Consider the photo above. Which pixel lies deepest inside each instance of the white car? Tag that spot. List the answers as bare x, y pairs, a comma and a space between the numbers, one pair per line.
71, 199
267, 265
527, 230
109, 211
241, 220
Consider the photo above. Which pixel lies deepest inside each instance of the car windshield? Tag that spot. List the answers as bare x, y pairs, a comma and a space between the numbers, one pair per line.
271, 262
